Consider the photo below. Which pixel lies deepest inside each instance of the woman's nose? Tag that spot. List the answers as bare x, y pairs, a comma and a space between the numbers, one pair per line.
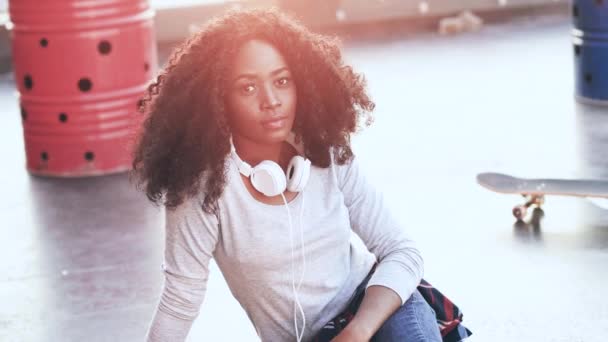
270, 98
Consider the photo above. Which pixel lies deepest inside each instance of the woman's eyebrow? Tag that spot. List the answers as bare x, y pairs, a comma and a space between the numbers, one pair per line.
249, 76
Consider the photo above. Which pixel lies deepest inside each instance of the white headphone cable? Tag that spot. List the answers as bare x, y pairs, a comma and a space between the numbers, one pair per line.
302, 242
299, 335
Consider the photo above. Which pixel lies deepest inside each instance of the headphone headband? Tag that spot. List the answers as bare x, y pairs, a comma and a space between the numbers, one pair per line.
245, 168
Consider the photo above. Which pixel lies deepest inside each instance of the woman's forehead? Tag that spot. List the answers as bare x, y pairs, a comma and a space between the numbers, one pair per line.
257, 58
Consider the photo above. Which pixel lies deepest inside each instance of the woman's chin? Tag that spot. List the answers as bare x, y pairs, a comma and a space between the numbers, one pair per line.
277, 137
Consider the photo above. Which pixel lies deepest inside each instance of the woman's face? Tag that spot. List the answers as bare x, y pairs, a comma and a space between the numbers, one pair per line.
260, 91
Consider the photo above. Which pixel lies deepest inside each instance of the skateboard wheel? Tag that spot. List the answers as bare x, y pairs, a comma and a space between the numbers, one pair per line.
519, 212
539, 200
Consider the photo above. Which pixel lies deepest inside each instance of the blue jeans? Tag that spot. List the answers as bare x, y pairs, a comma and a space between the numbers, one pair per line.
414, 321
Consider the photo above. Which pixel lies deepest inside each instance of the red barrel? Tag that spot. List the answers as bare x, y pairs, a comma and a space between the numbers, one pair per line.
80, 67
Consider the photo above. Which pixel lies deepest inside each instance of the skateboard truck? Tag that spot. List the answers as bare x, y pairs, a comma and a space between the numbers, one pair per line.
520, 211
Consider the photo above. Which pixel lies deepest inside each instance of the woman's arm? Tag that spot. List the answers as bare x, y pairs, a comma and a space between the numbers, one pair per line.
378, 304
190, 239
400, 265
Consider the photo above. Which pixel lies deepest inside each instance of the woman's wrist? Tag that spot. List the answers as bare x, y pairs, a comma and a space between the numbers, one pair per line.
358, 330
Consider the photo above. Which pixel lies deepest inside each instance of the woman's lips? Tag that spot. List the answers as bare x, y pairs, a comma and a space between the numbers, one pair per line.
275, 123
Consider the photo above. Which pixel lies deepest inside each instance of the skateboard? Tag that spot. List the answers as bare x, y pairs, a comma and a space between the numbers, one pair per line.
534, 190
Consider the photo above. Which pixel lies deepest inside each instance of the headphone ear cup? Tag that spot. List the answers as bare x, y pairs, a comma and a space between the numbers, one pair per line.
298, 173
268, 178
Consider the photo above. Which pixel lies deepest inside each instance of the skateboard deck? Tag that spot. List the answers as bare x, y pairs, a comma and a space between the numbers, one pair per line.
535, 189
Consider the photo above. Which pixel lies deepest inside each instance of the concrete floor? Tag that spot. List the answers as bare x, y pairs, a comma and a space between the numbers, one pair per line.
80, 259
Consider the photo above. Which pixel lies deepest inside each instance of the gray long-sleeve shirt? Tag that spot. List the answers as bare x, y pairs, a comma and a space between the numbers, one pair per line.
250, 242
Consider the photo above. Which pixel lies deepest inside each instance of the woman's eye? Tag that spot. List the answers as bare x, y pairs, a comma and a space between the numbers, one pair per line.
283, 80
248, 88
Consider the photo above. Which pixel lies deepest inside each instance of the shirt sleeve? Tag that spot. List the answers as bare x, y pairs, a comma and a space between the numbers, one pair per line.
190, 239
400, 265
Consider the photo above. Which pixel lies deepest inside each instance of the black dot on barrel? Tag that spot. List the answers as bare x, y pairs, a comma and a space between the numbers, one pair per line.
599, 2
28, 82
89, 156
588, 77
44, 156
44, 42
575, 11
63, 117
23, 113
146, 66
577, 50
104, 47
85, 84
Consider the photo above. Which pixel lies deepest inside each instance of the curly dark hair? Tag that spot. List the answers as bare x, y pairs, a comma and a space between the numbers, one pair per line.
185, 133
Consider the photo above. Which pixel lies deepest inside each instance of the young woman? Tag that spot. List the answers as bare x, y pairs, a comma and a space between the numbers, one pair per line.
247, 144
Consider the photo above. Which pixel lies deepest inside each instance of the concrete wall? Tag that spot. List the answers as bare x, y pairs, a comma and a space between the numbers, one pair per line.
175, 20
174, 23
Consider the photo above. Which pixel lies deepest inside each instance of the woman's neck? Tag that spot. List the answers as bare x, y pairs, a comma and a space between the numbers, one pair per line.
254, 152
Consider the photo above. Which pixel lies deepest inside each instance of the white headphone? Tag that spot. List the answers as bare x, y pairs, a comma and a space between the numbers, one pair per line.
268, 178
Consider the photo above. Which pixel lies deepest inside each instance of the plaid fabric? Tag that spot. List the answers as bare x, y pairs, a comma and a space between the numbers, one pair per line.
449, 316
